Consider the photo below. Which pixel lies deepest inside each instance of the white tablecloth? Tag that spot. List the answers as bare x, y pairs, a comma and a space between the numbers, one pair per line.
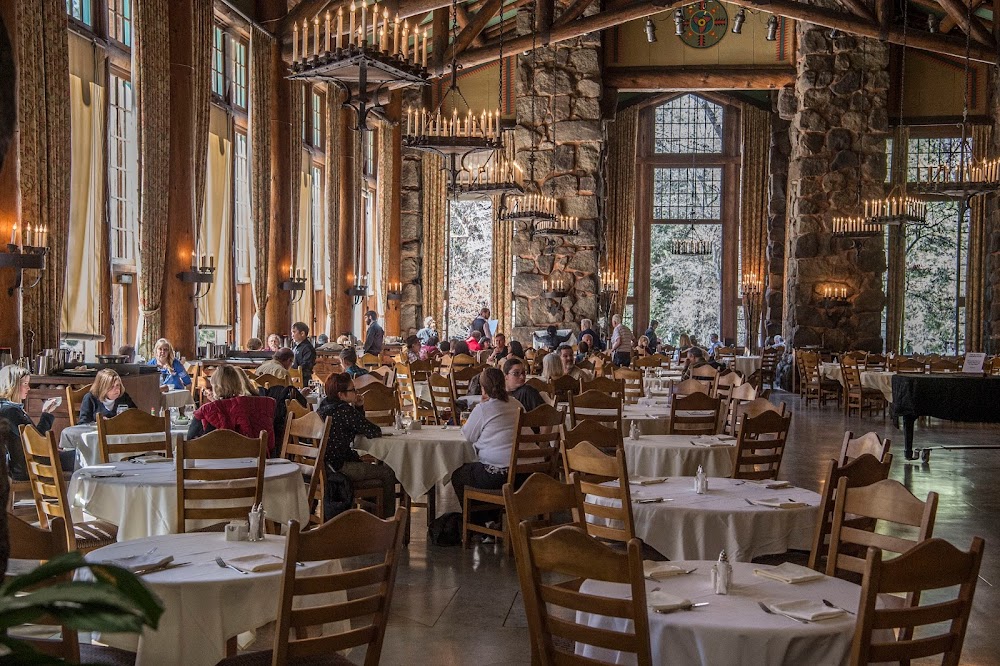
83, 438
176, 398
675, 455
144, 501
732, 629
746, 365
880, 380
204, 604
698, 527
653, 420
420, 458
661, 381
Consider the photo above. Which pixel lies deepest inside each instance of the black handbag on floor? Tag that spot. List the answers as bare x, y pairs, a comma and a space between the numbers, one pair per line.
446, 530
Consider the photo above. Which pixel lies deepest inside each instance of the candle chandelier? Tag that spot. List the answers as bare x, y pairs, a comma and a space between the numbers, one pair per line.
495, 174
458, 137
371, 57
691, 247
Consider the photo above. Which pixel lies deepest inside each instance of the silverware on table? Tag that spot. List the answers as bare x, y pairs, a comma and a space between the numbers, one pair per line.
225, 565
827, 602
770, 611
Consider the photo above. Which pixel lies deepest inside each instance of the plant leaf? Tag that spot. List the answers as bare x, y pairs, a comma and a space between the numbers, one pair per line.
54, 568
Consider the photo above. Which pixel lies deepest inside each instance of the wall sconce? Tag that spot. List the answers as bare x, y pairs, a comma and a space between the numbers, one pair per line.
772, 29
739, 20
295, 283
678, 22
26, 252
835, 303
359, 290
394, 294
650, 31
202, 275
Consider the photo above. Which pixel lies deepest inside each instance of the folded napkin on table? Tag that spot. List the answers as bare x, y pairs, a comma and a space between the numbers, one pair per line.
660, 570
150, 458
100, 468
789, 573
805, 609
778, 503
639, 480
714, 440
256, 563
141, 563
661, 601
773, 485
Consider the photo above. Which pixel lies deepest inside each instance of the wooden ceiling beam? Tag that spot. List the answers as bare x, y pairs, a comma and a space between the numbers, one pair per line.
473, 29
573, 12
959, 12
545, 11
859, 9
948, 23
652, 79
463, 20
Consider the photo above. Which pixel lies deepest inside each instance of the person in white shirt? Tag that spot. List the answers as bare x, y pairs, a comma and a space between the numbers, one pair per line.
621, 342
491, 430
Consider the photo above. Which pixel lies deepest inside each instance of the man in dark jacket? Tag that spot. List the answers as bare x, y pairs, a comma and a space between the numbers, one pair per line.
375, 336
305, 353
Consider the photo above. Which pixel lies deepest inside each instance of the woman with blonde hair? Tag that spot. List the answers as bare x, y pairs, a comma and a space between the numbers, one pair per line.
107, 395
232, 408
15, 382
172, 373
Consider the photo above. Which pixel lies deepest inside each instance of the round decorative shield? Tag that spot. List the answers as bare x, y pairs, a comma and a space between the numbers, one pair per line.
705, 24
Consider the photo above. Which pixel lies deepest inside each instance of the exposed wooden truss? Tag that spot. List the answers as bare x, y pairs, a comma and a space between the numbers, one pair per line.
651, 79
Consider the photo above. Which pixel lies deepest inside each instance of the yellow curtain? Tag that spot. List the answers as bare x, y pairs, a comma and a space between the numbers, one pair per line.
975, 276
503, 268
385, 189
151, 76
203, 24
896, 270
44, 156
215, 234
261, 49
756, 125
620, 225
295, 163
435, 200
331, 195
86, 272
302, 309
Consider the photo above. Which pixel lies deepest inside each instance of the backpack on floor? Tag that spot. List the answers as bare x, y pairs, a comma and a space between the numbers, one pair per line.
446, 530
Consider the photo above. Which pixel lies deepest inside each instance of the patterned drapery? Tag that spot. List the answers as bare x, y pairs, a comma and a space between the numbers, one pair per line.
331, 196
44, 155
386, 188
503, 268
151, 75
261, 51
295, 162
896, 271
975, 276
203, 22
435, 202
756, 129
620, 225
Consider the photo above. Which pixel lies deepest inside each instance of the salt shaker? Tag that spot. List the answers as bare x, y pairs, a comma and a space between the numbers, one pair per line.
399, 421
722, 574
256, 519
633, 431
701, 481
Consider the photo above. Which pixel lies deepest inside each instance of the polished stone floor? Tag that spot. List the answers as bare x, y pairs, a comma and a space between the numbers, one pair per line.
455, 606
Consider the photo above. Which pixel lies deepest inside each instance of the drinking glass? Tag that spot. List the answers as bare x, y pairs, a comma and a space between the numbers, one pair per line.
175, 414
121, 409
189, 411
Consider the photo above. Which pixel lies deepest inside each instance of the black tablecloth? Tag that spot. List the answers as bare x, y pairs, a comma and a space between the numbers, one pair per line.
955, 397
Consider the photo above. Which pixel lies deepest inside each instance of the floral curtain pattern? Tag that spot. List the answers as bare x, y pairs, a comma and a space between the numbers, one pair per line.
620, 225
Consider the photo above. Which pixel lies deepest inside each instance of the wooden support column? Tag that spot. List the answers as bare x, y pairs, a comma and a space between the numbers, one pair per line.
177, 297
394, 112
440, 25
278, 315
10, 323
346, 268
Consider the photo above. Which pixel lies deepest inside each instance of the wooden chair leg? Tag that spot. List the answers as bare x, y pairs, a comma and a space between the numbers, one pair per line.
465, 522
232, 647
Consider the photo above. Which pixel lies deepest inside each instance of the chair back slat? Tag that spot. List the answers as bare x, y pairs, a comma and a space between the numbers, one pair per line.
536, 451
592, 405
694, 414
133, 422
869, 443
48, 485
442, 399
760, 445
612, 387
304, 443
633, 384
606, 438
593, 468
74, 398
381, 404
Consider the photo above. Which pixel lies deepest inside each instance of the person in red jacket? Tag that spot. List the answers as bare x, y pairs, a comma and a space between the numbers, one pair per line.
233, 408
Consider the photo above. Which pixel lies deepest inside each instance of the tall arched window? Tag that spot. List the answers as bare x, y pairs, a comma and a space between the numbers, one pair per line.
688, 172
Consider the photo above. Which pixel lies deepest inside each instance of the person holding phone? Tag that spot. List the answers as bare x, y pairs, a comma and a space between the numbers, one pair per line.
106, 397
15, 382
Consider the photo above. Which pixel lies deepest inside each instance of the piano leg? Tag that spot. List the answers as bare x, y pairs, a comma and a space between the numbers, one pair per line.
908, 421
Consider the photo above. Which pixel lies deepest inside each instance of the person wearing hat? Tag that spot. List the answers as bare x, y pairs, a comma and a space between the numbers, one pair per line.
375, 336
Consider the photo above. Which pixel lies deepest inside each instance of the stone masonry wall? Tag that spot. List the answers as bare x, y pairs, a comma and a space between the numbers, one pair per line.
838, 133
566, 129
777, 219
411, 240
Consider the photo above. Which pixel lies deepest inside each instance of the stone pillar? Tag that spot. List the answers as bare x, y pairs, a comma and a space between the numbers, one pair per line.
777, 220
566, 129
837, 160
411, 240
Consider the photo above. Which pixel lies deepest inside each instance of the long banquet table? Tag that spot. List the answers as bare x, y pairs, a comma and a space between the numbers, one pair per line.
954, 397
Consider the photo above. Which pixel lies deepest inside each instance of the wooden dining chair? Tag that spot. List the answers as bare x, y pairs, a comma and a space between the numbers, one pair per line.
295, 377
442, 400
725, 384
268, 380
381, 404
768, 367
695, 414
384, 374
367, 550
539, 500
551, 607
943, 365
133, 422
606, 438
612, 387
760, 446
864, 470
818, 387
409, 403
295, 408
593, 405
74, 398
460, 380
633, 384
687, 387
361, 381
540, 385
908, 366
651, 361
48, 487
369, 361
708, 376
932, 565
460, 361
244, 485
752, 408
592, 469
565, 386
868, 443
858, 397
740, 395
304, 443
532, 452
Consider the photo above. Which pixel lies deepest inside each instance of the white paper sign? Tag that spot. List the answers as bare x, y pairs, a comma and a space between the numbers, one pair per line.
974, 362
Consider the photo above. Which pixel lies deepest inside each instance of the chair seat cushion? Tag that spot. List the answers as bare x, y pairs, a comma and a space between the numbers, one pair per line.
95, 533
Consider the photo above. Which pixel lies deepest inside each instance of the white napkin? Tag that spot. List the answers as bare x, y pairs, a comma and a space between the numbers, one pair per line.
150, 458
639, 480
661, 601
257, 563
714, 440
279, 461
772, 485
101, 468
778, 503
660, 570
789, 573
141, 563
102, 473
805, 609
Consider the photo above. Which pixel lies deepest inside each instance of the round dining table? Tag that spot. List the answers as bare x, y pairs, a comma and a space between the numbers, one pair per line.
678, 455
142, 501
204, 604
733, 629
652, 419
84, 439
734, 515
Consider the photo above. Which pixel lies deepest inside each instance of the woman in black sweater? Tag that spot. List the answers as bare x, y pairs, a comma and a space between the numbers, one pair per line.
106, 397
14, 387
